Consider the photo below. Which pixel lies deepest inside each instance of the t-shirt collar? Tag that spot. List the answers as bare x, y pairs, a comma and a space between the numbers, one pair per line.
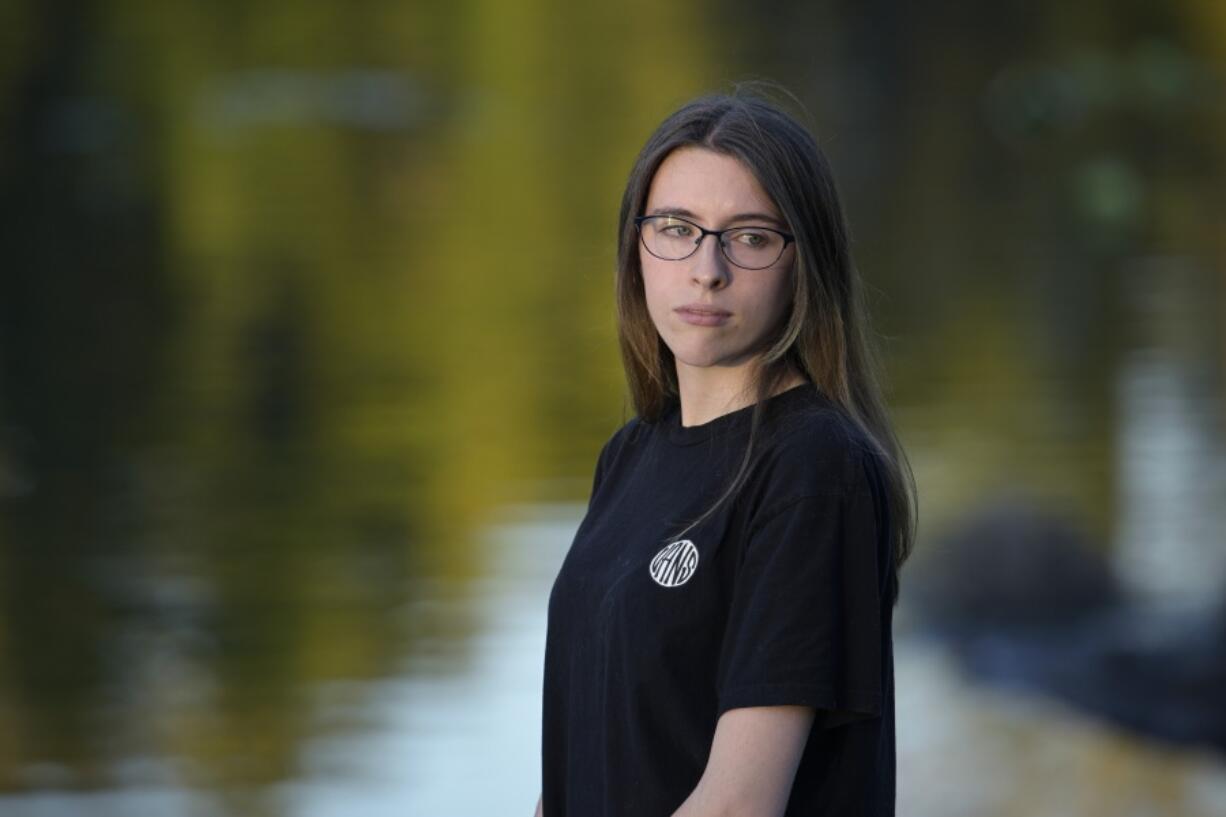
733, 422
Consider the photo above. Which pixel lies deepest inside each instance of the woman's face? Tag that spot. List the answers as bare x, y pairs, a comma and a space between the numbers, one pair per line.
710, 312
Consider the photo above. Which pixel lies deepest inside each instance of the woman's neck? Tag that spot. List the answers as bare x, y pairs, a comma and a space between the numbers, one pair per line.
707, 393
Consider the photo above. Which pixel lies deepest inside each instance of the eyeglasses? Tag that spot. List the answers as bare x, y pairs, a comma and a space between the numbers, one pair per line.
672, 238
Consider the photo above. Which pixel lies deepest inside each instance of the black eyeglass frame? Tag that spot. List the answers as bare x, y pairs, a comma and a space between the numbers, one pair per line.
788, 238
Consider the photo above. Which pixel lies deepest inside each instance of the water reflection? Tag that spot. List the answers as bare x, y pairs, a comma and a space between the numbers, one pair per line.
1171, 448
455, 729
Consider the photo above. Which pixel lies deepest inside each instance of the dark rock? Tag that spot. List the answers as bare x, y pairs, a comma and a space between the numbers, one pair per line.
1025, 602
1157, 674
1011, 566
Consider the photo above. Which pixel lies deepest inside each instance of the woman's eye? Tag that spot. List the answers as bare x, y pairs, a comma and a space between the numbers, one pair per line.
677, 230
753, 239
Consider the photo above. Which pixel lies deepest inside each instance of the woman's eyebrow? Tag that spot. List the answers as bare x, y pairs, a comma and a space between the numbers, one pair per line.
757, 217
684, 213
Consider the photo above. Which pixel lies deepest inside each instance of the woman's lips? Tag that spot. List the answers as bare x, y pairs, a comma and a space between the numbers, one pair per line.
702, 315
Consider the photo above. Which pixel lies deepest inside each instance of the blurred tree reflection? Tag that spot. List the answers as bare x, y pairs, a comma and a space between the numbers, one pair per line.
296, 295
1006, 164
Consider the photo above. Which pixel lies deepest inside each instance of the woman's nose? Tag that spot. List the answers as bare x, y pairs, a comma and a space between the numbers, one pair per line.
710, 269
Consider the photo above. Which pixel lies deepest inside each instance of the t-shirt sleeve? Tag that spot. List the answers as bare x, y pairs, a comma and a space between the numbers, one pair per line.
805, 625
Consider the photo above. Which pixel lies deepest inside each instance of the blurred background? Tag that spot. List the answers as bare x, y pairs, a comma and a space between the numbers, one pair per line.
307, 350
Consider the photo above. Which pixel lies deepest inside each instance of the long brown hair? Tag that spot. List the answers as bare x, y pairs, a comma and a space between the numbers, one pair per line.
826, 336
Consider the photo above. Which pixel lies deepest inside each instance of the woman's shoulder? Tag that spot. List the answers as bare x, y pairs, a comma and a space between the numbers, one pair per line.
627, 434
815, 448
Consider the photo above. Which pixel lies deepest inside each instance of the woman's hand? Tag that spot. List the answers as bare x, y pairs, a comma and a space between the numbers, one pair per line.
539, 813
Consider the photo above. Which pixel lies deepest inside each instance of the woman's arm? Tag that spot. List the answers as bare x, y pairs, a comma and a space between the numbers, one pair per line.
538, 807
753, 761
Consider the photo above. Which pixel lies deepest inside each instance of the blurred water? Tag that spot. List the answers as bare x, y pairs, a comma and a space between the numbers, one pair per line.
441, 739
458, 741
966, 751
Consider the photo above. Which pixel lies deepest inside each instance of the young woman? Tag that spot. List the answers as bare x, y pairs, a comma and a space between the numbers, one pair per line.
719, 635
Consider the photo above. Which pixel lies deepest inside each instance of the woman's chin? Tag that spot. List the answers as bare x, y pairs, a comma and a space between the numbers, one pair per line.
708, 359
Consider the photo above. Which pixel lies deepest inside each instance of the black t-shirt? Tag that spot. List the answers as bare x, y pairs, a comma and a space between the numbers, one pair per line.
785, 596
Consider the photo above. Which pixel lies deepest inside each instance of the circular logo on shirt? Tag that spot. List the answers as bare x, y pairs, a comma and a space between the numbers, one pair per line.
675, 563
